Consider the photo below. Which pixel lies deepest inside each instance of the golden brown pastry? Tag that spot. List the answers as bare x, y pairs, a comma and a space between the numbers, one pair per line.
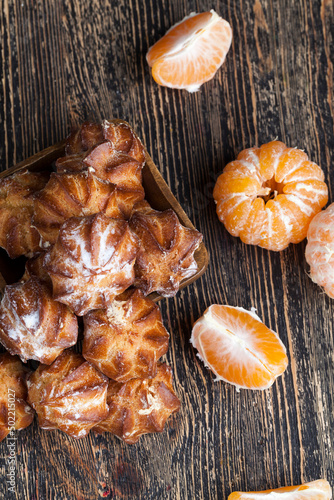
91, 262
86, 137
118, 168
33, 325
35, 268
166, 250
112, 151
124, 140
75, 195
15, 413
17, 236
126, 340
120, 135
69, 395
140, 406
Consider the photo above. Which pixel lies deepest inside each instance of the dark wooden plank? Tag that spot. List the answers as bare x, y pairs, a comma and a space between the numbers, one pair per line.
63, 62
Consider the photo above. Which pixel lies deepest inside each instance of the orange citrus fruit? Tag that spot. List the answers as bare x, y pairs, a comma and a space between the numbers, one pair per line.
316, 490
269, 195
238, 347
319, 251
191, 52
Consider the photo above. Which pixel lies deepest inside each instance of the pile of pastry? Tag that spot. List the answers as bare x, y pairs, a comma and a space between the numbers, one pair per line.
96, 249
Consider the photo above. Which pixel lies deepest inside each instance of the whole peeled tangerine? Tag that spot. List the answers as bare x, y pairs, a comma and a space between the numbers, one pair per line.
15, 413
127, 339
69, 395
269, 195
91, 262
33, 325
140, 406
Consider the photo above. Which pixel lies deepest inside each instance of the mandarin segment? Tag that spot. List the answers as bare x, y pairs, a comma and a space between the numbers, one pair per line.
289, 160
238, 347
315, 490
191, 52
292, 189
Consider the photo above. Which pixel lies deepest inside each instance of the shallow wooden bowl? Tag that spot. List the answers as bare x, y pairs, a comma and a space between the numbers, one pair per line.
157, 194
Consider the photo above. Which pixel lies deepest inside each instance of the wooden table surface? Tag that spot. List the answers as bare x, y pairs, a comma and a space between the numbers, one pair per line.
66, 61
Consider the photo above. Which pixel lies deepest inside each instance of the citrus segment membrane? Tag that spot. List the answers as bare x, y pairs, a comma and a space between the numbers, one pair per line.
315, 490
238, 347
191, 52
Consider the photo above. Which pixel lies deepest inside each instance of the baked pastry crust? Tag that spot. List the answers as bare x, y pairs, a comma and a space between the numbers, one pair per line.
13, 391
34, 268
126, 340
76, 195
17, 236
33, 325
91, 262
111, 150
69, 395
120, 135
166, 250
140, 406
86, 137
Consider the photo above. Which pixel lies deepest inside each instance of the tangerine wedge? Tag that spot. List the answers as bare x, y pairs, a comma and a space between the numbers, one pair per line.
269, 195
191, 52
315, 490
238, 347
319, 251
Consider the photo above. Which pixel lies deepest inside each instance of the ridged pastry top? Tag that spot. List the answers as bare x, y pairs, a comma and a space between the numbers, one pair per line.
86, 137
69, 395
126, 340
17, 236
14, 410
33, 325
166, 250
140, 406
73, 195
112, 150
91, 262
34, 268
120, 135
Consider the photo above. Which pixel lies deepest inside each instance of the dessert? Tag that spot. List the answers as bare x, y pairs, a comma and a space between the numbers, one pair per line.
69, 395
127, 339
33, 325
35, 268
120, 135
84, 138
91, 262
140, 406
17, 235
166, 250
15, 413
111, 150
73, 195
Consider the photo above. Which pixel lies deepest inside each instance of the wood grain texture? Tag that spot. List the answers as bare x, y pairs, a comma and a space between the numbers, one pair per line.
66, 61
